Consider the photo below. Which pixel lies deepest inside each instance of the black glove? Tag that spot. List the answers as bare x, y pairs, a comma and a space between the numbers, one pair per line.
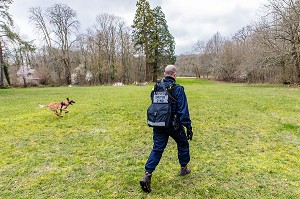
189, 133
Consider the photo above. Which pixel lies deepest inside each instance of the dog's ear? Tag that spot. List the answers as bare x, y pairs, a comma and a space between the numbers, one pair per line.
68, 99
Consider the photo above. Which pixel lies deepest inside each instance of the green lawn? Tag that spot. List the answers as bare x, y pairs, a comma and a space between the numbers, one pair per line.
246, 143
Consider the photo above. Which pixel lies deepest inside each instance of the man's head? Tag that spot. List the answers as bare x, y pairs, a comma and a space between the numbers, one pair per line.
170, 70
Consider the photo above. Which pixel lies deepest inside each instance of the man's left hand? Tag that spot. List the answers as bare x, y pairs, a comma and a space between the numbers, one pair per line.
190, 133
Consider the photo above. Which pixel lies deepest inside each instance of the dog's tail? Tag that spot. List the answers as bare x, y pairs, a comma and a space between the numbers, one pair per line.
42, 106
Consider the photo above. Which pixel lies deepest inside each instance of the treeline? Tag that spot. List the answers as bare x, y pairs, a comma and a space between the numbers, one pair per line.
103, 55
112, 51
267, 51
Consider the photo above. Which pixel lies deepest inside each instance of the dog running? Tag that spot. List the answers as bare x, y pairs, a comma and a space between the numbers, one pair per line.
58, 107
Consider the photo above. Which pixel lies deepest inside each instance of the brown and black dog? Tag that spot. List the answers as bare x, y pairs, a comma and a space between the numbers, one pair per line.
58, 107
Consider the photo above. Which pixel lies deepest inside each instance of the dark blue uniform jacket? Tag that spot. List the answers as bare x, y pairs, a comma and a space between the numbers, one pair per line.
180, 108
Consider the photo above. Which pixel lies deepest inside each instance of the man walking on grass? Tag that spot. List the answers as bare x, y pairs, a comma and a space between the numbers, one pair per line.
180, 118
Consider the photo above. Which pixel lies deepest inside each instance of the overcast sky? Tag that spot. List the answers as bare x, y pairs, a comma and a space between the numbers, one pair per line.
189, 20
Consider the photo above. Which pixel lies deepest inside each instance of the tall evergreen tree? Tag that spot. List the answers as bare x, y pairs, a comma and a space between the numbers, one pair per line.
163, 45
143, 32
152, 37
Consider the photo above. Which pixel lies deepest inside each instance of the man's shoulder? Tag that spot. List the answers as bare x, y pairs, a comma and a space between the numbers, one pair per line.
178, 86
177, 89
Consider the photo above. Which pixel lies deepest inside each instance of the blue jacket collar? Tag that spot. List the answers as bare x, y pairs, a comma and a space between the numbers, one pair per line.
169, 79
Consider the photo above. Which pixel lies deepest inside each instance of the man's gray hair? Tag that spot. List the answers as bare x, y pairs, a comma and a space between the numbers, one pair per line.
170, 69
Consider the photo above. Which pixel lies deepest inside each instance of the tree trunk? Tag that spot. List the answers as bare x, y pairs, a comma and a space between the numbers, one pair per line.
24, 81
155, 66
147, 66
67, 71
295, 58
297, 72
1, 68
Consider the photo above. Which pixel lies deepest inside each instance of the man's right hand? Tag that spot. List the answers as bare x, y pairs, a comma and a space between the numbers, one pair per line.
189, 133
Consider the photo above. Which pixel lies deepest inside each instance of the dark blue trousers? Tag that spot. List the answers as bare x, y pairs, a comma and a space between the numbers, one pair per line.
160, 140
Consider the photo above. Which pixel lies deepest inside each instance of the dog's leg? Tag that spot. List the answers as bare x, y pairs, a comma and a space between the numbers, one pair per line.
60, 111
66, 111
57, 113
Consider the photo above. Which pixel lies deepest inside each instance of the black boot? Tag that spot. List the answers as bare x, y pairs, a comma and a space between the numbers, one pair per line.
184, 170
145, 183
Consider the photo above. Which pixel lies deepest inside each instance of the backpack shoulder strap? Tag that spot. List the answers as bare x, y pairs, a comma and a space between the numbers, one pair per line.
156, 87
163, 84
171, 91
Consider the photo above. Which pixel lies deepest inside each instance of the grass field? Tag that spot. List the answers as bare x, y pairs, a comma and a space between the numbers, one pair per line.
246, 143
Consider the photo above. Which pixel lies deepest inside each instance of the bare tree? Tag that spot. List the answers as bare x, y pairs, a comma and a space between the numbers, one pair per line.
229, 62
38, 20
126, 51
106, 52
57, 26
282, 25
213, 49
64, 23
